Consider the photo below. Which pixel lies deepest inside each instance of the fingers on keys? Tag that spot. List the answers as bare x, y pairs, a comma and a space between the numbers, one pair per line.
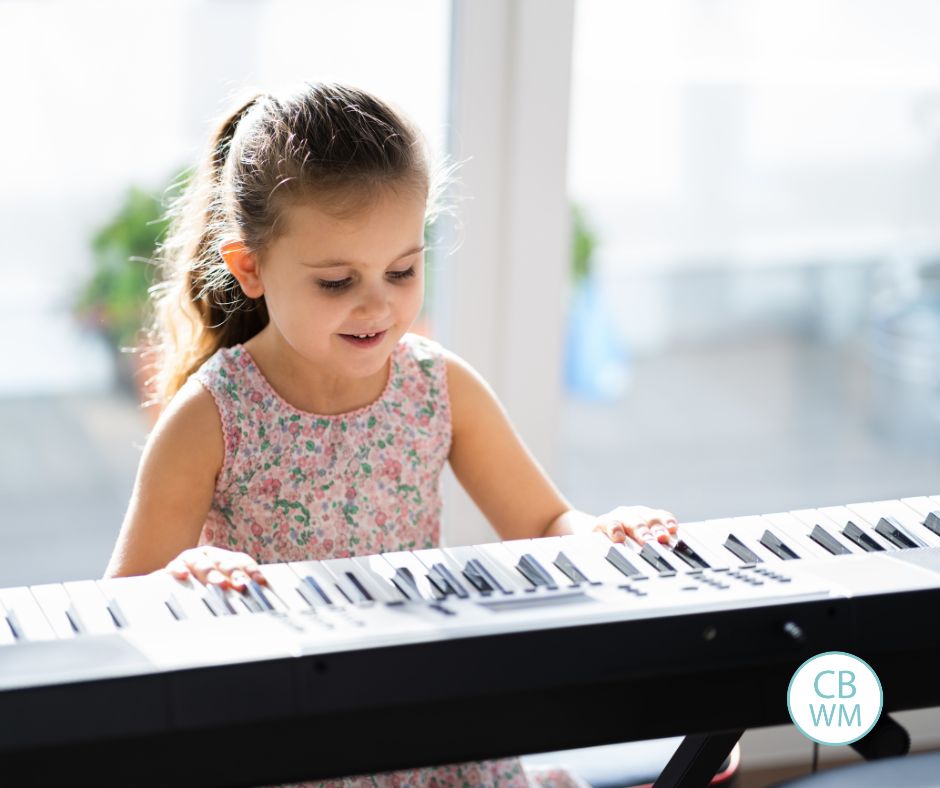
640, 523
216, 566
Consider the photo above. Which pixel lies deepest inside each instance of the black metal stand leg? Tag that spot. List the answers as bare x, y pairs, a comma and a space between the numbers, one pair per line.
887, 739
697, 760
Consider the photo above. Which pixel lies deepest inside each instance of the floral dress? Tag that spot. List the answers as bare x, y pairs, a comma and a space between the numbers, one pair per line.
300, 486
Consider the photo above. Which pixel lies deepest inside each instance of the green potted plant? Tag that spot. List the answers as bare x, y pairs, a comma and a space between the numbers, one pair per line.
114, 299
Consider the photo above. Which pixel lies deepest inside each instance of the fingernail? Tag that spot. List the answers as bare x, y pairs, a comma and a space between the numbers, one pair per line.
215, 577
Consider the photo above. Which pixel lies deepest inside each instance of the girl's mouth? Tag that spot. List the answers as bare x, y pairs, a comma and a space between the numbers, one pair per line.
364, 340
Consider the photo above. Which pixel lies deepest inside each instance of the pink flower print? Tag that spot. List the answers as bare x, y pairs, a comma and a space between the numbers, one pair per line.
256, 397
256, 529
424, 419
281, 546
270, 487
294, 428
423, 389
392, 468
381, 518
244, 360
328, 545
319, 430
210, 534
350, 493
318, 494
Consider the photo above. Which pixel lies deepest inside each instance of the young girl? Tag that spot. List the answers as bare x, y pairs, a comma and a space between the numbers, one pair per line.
301, 418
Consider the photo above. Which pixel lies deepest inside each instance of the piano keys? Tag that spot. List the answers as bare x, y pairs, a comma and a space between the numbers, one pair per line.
513, 647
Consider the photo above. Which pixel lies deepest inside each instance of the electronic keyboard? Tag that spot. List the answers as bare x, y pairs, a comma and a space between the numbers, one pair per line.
371, 663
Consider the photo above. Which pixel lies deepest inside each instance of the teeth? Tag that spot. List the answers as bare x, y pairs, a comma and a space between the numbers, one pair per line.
365, 336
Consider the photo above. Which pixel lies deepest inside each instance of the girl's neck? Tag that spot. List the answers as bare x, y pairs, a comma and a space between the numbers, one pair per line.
306, 387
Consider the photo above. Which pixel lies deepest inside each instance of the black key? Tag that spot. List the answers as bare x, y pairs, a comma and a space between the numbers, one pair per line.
741, 550
311, 581
174, 607
14, 625
451, 585
655, 560
117, 615
859, 537
364, 596
684, 550
932, 523
897, 534
478, 573
257, 593
568, 569
534, 572
75, 620
617, 559
772, 542
826, 540
405, 582
216, 602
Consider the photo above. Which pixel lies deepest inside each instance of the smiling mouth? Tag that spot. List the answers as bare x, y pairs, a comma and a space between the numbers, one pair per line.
364, 340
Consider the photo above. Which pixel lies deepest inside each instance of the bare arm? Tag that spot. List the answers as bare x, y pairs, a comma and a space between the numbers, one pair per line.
174, 486
509, 486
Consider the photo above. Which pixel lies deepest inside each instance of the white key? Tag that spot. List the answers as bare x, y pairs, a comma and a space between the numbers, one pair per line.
906, 517
463, 554
548, 550
57, 606
693, 535
813, 517
373, 587
539, 549
403, 559
91, 605
185, 596
373, 573
26, 614
505, 563
589, 553
842, 516
923, 507
435, 555
796, 529
755, 527
283, 585
717, 532
323, 578
140, 600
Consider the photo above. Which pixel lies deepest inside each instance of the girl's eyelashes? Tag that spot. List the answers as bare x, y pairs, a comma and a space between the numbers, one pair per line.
336, 285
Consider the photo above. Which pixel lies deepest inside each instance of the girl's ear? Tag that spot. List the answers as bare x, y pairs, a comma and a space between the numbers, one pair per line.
244, 267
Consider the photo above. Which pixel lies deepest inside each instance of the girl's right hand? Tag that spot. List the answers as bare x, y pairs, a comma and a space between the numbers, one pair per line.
216, 566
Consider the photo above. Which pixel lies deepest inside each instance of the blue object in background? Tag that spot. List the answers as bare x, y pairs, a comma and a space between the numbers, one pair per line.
596, 358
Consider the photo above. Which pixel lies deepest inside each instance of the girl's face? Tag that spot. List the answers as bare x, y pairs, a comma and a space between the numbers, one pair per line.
327, 281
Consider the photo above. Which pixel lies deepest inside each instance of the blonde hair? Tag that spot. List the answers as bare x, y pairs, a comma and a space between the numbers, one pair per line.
326, 142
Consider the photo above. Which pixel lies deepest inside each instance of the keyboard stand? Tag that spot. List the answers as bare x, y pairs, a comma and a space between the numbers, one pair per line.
697, 760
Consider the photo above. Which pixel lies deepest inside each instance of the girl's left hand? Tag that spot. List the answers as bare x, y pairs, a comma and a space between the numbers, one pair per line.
640, 523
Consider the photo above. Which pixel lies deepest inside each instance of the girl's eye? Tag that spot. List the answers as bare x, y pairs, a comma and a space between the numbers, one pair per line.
341, 284
334, 284
406, 274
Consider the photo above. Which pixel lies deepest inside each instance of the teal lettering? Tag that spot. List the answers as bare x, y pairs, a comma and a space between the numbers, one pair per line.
819, 675
822, 714
848, 718
843, 683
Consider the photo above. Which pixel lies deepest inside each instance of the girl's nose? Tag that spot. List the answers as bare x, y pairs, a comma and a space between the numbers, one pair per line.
373, 303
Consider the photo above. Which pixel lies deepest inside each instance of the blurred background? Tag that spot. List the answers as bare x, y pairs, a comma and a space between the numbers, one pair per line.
749, 258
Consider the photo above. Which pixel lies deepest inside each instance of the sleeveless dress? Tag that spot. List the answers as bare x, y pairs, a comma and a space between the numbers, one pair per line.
300, 486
